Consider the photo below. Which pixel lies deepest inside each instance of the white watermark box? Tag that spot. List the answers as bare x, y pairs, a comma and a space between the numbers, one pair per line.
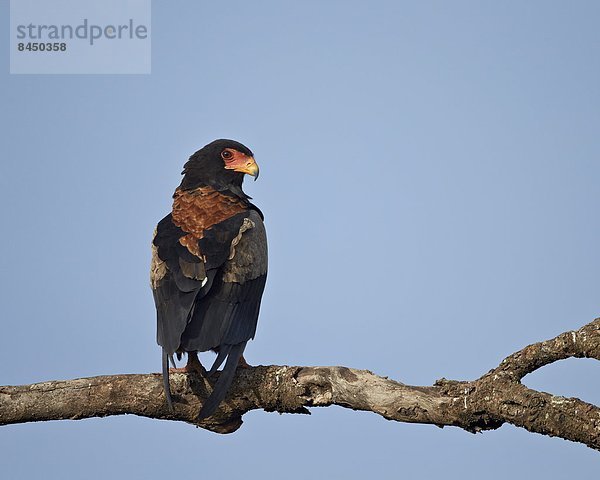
80, 36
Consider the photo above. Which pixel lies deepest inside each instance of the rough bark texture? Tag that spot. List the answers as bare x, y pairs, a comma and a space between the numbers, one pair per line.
483, 404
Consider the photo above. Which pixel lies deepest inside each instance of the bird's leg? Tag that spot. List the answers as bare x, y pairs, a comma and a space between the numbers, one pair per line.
193, 365
243, 363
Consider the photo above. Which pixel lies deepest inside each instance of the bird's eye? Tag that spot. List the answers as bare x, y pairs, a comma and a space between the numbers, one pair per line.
226, 154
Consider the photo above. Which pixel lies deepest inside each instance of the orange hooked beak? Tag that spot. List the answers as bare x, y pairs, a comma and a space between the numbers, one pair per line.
248, 166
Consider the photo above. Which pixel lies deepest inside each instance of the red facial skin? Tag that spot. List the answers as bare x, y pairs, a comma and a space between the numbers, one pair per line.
239, 162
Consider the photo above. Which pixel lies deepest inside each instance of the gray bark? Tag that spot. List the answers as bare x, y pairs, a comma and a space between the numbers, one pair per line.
484, 404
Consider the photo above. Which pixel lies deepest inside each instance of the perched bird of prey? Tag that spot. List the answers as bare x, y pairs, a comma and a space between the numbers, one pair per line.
209, 266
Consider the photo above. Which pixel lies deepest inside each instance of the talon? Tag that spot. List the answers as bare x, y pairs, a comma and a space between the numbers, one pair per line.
193, 366
243, 363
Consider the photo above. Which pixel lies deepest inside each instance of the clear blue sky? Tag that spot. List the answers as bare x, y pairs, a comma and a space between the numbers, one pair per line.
429, 175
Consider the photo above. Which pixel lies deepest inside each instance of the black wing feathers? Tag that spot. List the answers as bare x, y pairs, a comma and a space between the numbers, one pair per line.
165, 375
211, 302
174, 293
224, 381
173, 309
216, 242
174, 254
226, 316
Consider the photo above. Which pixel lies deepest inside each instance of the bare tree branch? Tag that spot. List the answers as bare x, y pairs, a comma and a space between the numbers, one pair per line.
484, 404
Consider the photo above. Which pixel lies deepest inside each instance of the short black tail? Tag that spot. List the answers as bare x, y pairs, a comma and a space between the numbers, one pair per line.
165, 374
224, 381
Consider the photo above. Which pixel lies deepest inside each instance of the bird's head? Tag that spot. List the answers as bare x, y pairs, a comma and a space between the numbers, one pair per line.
222, 165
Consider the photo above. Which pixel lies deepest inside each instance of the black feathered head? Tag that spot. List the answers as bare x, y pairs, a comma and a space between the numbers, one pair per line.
220, 164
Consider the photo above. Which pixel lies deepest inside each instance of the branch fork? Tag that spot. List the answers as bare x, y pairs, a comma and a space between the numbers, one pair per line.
487, 403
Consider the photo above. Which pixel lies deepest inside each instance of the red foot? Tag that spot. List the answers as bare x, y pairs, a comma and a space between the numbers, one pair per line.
193, 365
243, 363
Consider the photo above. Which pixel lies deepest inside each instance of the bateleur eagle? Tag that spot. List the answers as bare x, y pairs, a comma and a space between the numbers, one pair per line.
209, 266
